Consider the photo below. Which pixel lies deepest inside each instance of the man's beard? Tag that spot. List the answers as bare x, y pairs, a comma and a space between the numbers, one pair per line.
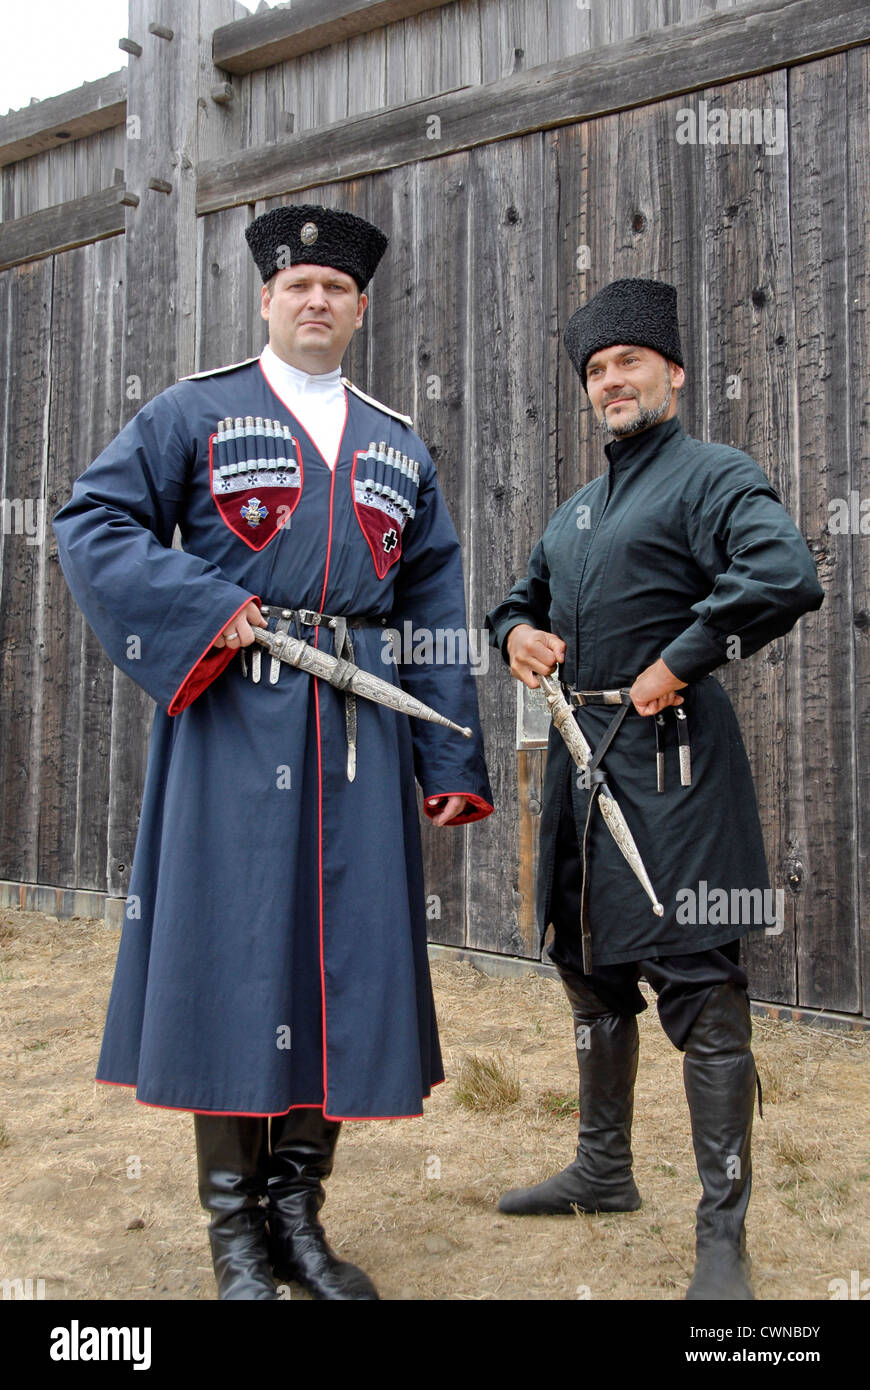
646, 416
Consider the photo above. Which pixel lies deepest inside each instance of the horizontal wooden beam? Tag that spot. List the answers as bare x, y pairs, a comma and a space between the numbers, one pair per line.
62, 902
722, 47
63, 226
505, 967
46, 124
264, 39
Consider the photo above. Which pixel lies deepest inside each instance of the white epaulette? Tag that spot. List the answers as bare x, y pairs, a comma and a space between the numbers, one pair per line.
370, 400
216, 371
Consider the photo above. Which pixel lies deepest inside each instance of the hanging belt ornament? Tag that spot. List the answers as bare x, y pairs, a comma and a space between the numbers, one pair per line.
685, 751
344, 651
614, 818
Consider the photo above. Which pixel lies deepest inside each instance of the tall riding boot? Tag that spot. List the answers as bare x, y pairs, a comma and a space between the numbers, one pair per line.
231, 1153
600, 1178
719, 1076
303, 1149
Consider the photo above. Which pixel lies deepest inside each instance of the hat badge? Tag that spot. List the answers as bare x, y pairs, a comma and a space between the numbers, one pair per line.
308, 234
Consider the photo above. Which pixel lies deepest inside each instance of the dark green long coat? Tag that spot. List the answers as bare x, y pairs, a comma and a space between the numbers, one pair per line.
682, 550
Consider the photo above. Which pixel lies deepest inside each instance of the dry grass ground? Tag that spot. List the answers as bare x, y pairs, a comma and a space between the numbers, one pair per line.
98, 1194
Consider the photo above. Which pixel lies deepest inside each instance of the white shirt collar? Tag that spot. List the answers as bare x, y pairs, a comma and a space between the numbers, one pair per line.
296, 381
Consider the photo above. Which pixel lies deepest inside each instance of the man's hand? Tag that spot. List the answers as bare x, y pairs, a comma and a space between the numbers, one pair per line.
655, 688
533, 653
239, 631
451, 806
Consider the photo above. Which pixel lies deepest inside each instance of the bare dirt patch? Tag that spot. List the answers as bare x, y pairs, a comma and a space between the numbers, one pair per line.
98, 1194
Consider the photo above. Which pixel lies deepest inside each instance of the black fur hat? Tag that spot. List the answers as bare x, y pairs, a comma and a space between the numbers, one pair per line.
311, 235
639, 313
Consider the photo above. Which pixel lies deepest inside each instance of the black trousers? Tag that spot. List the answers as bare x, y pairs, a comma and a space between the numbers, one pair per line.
682, 983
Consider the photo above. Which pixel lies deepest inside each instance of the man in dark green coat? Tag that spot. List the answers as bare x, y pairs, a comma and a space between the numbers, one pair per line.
677, 559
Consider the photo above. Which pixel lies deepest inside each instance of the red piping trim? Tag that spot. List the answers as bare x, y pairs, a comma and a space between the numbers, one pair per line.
331, 467
482, 807
207, 667
320, 881
267, 1114
320, 796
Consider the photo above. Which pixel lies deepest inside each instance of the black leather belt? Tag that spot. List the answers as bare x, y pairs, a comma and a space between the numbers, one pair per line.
622, 696
601, 697
309, 617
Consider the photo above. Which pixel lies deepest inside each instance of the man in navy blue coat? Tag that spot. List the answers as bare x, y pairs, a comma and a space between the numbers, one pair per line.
272, 975
676, 559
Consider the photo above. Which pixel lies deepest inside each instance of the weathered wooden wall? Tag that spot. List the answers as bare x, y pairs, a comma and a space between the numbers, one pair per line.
767, 251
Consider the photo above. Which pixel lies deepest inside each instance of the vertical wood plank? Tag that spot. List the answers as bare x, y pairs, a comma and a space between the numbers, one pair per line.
84, 406
394, 64
821, 789
334, 89
366, 72
511, 38
322, 87
578, 252
257, 118
588, 228
450, 46
508, 332
392, 207
569, 28
288, 87
621, 19
22, 566
105, 388
857, 708
531, 763
674, 223
61, 637
748, 280
306, 78
429, 41
659, 193
417, 61
228, 290
467, 22
440, 357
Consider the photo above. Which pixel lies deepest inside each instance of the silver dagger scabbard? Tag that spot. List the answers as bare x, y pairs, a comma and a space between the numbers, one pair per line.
563, 718
345, 676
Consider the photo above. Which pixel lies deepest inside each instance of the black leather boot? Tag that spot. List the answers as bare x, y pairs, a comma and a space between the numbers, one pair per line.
719, 1076
231, 1153
600, 1178
303, 1150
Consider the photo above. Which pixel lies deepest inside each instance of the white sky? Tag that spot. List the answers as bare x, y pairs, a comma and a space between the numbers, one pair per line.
49, 46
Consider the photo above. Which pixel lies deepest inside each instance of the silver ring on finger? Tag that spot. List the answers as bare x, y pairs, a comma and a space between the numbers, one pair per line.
233, 637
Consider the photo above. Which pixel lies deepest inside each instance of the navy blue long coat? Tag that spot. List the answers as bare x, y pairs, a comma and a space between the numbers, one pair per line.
681, 550
274, 948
